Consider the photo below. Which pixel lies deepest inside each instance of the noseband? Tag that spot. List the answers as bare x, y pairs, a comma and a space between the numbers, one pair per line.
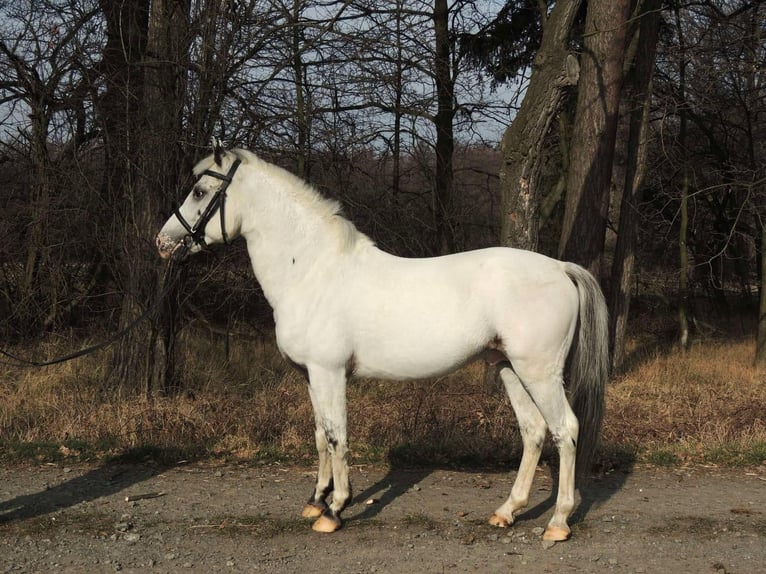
196, 232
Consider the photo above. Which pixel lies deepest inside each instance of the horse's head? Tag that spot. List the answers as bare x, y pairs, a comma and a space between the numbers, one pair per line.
203, 217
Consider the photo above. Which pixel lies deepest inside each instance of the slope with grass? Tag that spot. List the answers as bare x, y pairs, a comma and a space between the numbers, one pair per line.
703, 406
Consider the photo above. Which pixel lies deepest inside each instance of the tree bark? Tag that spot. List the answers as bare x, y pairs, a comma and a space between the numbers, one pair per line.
553, 70
594, 133
444, 200
760, 348
638, 99
121, 115
683, 253
162, 160
755, 92
33, 306
302, 113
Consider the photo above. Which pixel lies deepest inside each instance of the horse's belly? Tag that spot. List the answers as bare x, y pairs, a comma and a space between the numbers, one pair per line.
416, 354
405, 367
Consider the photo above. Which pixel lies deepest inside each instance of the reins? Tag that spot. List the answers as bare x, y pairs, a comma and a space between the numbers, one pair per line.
170, 277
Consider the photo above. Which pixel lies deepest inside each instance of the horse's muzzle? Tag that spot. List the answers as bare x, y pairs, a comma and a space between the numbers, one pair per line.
166, 246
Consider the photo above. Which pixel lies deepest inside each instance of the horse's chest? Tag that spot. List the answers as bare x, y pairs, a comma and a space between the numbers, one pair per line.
308, 338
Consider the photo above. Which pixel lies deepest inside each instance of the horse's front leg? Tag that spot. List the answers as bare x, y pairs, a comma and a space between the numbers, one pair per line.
328, 397
316, 504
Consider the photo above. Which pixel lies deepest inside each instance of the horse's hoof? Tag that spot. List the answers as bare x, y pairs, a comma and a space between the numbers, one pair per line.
326, 524
557, 534
499, 521
312, 511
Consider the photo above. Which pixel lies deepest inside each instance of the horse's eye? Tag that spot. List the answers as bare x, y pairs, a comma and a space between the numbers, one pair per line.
198, 193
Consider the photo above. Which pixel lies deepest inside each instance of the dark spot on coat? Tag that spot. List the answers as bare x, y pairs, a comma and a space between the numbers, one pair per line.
496, 343
351, 366
332, 442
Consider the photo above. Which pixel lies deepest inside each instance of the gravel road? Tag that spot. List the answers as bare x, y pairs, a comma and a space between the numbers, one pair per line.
242, 518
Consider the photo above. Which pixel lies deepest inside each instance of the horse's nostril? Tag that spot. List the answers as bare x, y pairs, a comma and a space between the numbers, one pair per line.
162, 242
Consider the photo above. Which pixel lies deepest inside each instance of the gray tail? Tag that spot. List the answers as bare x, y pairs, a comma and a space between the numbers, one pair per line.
588, 364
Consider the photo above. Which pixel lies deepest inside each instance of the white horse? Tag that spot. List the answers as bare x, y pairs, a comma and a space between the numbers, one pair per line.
343, 307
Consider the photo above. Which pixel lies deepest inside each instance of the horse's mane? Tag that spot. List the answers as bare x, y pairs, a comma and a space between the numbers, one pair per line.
329, 210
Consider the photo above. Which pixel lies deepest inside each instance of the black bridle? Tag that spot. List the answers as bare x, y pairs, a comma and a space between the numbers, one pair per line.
196, 232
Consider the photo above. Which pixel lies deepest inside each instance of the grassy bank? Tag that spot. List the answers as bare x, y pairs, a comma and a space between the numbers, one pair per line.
705, 406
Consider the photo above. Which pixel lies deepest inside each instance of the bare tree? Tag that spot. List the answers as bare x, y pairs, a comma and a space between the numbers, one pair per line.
162, 161
37, 63
594, 132
710, 129
636, 109
553, 70
125, 225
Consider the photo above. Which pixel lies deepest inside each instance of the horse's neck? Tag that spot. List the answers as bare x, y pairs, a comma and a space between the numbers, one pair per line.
290, 243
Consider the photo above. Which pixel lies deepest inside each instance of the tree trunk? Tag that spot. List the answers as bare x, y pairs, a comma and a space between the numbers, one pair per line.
553, 70
760, 350
33, 307
121, 116
594, 133
683, 253
302, 113
683, 264
755, 93
211, 78
639, 101
162, 158
444, 201
396, 148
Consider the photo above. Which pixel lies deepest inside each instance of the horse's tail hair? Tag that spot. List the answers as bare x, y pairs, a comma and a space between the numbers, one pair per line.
588, 364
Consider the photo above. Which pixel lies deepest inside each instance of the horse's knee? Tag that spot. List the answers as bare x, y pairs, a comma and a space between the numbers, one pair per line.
533, 434
320, 439
565, 435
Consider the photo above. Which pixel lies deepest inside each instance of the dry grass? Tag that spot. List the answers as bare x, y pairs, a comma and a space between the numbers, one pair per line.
708, 404
705, 406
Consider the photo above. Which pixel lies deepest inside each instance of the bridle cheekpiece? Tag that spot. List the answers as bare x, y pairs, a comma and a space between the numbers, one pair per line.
196, 232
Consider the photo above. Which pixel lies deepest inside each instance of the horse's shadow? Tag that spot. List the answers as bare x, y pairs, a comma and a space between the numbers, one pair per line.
594, 491
95, 483
394, 484
113, 478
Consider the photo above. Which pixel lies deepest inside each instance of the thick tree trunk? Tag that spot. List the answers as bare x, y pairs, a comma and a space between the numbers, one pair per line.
162, 158
553, 70
594, 133
121, 115
638, 100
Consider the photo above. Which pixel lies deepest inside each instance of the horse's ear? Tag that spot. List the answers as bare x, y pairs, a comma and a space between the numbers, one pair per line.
218, 150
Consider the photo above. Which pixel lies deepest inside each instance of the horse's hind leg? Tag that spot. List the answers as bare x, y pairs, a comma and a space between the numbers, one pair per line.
532, 427
547, 392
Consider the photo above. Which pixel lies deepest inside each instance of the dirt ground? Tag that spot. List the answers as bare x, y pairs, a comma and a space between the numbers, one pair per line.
230, 518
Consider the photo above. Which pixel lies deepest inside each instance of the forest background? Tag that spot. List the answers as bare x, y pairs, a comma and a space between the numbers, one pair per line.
625, 135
